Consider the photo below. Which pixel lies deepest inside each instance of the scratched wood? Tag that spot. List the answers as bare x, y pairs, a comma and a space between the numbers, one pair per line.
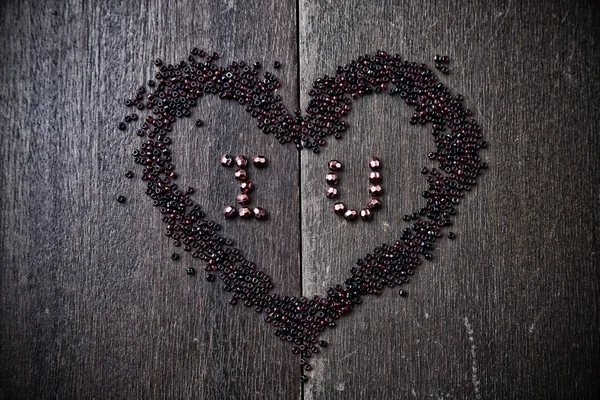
510, 308
92, 306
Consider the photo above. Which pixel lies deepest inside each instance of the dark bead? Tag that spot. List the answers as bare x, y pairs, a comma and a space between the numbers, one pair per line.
256, 65
303, 379
129, 174
175, 256
121, 199
199, 123
122, 126
323, 343
210, 277
451, 235
158, 62
402, 292
190, 271
276, 64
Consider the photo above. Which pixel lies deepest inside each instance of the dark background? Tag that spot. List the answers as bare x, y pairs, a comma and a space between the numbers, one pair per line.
92, 306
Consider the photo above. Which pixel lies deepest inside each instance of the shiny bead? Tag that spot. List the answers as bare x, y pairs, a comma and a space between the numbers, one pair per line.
245, 213
375, 190
374, 177
190, 271
241, 175
351, 214
243, 199
175, 256
246, 187
331, 192
229, 212
339, 208
365, 214
241, 161
121, 199
374, 163
259, 161
259, 213
331, 178
335, 165
374, 204
226, 160
402, 292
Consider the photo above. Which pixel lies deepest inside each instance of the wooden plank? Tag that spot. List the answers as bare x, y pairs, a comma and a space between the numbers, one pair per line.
510, 308
91, 304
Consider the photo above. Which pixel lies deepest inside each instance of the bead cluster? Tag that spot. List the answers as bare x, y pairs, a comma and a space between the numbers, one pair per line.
374, 204
246, 186
300, 320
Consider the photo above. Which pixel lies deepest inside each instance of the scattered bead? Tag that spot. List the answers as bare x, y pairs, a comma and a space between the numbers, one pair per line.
122, 126
121, 199
190, 271
128, 174
199, 123
402, 292
175, 256
210, 277
276, 64
451, 235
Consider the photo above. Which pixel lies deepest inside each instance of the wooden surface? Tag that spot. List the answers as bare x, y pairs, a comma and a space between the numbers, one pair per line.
92, 306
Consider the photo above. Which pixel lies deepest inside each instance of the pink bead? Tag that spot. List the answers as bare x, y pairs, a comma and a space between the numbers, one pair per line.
365, 214
241, 161
331, 192
259, 161
229, 212
351, 214
245, 213
259, 213
374, 204
375, 190
339, 208
246, 187
374, 163
374, 177
332, 178
243, 199
241, 174
335, 165
226, 160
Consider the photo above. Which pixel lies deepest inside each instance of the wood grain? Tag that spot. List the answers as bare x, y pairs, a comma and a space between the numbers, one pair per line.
510, 308
92, 306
